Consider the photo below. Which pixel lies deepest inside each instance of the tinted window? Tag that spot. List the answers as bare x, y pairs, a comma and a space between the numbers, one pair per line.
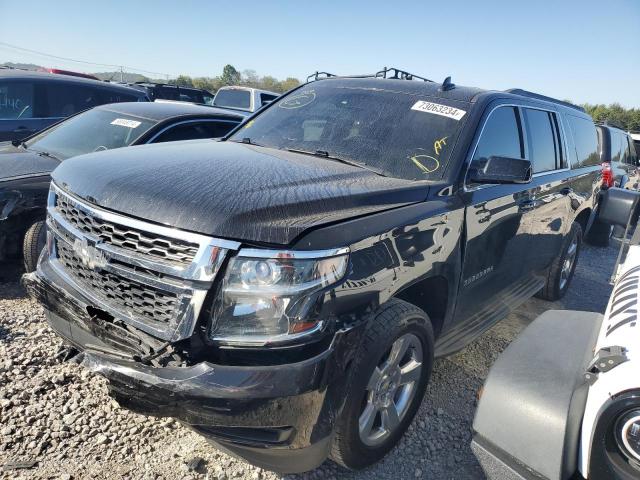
207, 98
167, 93
16, 100
500, 136
90, 131
233, 99
192, 131
266, 98
191, 96
116, 96
624, 147
389, 131
542, 146
586, 140
617, 146
64, 99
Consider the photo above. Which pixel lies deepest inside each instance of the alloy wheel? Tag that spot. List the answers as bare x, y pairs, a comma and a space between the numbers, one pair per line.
390, 390
569, 260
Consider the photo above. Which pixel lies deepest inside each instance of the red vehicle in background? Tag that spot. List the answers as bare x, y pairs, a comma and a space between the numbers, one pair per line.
70, 73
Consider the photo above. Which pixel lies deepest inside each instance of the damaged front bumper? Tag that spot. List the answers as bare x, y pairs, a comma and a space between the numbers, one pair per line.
279, 417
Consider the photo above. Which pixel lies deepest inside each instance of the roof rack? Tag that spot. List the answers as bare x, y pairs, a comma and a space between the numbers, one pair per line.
398, 74
319, 75
391, 73
526, 93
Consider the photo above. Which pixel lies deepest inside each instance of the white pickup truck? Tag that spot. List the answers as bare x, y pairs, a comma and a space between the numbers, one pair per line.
242, 98
563, 400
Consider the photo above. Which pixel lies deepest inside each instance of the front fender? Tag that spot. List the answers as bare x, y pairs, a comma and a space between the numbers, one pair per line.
528, 421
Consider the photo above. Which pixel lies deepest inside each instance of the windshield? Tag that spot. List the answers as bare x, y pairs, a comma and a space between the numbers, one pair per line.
233, 99
90, 131
403, 135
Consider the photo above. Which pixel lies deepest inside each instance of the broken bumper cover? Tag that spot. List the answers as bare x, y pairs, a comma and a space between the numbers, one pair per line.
279, 417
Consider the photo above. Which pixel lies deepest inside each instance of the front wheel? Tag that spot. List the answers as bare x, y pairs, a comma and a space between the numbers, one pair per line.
34, 242
388, 379
563, 267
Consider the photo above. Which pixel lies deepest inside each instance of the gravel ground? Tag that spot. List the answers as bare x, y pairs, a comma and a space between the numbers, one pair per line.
57, 418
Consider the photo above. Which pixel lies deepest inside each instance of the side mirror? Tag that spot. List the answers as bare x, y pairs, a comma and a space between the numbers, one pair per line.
500, 170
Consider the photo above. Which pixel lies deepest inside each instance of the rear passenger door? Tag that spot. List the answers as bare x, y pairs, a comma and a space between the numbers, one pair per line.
546, 205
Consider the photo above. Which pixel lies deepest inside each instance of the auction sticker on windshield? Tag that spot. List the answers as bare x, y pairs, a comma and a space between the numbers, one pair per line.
437, 109
125, 122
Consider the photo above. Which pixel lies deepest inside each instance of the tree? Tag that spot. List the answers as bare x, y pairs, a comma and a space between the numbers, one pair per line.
183, 81
250, 78
288, 84
269, 83
207, 83
230, 76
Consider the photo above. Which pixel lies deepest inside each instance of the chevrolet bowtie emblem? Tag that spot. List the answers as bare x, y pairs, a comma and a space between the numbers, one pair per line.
89, 255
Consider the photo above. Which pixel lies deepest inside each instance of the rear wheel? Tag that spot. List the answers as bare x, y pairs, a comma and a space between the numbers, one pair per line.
34, 242
562, 269
387, 383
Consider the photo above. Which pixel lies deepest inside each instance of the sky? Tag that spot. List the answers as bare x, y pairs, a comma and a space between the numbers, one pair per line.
580, 50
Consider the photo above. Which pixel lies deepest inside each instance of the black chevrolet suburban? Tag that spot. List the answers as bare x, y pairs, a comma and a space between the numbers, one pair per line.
284, 291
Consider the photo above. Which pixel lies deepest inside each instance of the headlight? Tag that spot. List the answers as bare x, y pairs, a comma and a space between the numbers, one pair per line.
628, 434
266, 296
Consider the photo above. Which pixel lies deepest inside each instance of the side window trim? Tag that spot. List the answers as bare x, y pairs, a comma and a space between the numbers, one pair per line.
485, 119
564, 166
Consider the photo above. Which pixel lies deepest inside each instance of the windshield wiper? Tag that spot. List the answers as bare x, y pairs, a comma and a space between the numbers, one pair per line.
19, 143
48, 155
325, 154
247, 141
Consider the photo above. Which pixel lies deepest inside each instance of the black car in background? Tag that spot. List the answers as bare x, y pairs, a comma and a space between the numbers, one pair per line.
31, 101
164, 91
25, 165
619, 169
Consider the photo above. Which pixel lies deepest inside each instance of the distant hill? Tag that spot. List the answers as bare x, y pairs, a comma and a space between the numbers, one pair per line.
23, 66
127, 77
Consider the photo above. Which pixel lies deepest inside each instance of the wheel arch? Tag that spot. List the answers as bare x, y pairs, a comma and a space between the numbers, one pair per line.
431, 295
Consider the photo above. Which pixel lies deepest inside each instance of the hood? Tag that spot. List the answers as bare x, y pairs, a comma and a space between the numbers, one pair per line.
231, 190
18, 162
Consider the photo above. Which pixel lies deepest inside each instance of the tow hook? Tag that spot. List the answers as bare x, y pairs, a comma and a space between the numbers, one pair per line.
606, 359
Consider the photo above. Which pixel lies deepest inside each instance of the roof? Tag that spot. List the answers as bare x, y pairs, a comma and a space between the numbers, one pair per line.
413, 87
162, 111
12, 73
434, 89
167, 85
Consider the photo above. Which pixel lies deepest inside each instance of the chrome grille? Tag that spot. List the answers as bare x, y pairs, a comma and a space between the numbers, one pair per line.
150, 276
139, 299
127, 238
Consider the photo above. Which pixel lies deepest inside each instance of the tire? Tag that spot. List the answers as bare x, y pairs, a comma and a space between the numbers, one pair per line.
394, 321
599, 234
560, 274
34, 242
